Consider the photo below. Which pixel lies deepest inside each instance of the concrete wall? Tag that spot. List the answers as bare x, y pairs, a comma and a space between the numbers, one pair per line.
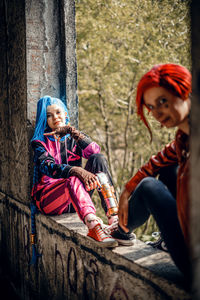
50, 49
72, 266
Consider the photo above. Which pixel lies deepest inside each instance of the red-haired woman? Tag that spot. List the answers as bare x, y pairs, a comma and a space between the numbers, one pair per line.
165, 92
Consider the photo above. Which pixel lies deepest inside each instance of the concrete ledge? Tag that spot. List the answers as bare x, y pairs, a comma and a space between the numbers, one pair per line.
154, 260
72, 266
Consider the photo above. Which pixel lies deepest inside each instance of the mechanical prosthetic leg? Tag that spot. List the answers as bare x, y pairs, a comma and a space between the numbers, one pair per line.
110, 205
108, 197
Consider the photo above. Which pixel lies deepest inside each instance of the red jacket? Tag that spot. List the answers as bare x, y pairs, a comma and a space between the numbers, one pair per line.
173, 153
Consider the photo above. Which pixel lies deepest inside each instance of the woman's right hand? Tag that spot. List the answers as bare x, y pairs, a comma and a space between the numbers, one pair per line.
67, 129
59, 132
123, 210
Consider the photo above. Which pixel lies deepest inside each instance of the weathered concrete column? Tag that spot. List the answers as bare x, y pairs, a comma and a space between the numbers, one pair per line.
51, 59
37, 58
195, 148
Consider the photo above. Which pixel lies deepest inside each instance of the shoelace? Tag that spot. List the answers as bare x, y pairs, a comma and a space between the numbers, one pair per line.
110, 228
100, 232
100, 221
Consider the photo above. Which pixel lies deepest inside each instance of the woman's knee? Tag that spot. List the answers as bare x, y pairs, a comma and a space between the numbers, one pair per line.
151, 190
147, 184
97, 157
143, 191
73, 182
155, 193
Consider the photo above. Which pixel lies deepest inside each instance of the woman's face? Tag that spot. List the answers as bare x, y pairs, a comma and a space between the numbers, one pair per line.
55, 116
169, 110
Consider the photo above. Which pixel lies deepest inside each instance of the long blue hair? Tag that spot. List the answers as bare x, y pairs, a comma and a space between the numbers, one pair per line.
41, 125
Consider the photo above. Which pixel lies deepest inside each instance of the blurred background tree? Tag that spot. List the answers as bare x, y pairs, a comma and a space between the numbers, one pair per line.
117, 42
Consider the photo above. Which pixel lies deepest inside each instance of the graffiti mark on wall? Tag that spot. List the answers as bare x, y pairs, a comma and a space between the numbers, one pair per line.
91, 279
119, 293
74, 276
59, 268
26, 242
72, 270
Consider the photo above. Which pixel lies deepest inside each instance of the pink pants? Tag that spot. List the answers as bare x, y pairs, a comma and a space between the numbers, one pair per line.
56, 197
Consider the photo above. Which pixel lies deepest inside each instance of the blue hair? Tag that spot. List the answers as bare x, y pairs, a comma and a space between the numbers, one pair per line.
41, 125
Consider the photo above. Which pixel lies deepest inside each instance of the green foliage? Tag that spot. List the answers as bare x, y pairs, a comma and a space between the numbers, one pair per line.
117, 42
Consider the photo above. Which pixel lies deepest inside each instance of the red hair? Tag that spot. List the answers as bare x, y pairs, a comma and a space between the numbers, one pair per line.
174, 78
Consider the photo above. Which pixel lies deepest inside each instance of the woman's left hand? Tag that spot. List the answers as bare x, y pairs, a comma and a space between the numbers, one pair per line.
123, 210
89, 179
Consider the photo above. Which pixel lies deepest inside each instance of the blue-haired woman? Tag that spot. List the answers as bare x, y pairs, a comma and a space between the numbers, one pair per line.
59, 179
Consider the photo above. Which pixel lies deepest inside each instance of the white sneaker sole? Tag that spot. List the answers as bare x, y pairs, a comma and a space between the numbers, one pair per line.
125, 243
110, 244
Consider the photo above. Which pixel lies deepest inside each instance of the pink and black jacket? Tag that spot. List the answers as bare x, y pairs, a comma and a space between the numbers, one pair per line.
53, 159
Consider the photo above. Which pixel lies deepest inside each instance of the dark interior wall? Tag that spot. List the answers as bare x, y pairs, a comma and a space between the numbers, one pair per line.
13, 108
195, 147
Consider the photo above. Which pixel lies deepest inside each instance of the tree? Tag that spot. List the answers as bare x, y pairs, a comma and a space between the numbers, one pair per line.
117, 42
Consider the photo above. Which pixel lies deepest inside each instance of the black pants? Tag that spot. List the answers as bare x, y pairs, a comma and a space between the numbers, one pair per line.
98, 163
153, 197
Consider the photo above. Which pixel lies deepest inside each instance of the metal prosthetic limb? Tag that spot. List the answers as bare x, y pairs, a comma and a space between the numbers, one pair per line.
108, 194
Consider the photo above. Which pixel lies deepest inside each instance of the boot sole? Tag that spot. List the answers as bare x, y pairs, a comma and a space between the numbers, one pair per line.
113, 244
125, 243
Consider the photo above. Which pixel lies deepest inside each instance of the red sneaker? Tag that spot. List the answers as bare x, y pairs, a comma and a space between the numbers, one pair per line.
104, 240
